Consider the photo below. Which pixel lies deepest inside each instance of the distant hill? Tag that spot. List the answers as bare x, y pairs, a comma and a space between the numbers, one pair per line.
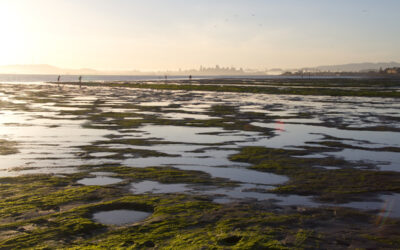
355, 67
49, 69
29, 69
44, 69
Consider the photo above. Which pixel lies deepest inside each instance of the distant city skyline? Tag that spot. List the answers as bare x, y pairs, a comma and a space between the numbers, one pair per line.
201, 70
157, 35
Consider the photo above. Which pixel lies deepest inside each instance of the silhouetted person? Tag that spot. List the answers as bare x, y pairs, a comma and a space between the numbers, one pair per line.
190, 77
80, 81
58, 80
166, 77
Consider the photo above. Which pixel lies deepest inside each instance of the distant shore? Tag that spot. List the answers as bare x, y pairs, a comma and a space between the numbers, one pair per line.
330, 87
114, 78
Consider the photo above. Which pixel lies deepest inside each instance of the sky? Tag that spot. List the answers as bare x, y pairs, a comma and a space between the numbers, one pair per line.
173, 34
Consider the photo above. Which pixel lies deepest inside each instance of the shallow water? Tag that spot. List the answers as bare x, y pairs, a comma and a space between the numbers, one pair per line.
179, 116
120, 217
300, 134
50, 135
99, 180
239, 174
102, 154
184, 134
295, 135
386, 161
388, 205
158, 188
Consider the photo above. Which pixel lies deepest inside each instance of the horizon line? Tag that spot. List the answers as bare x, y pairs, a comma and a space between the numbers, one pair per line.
198, 68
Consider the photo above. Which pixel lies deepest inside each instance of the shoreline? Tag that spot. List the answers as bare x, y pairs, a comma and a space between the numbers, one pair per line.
106, 78
385, 88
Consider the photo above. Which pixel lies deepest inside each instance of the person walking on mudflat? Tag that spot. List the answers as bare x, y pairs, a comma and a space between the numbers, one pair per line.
80, 81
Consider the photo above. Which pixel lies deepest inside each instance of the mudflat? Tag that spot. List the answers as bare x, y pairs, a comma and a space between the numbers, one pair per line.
227, 163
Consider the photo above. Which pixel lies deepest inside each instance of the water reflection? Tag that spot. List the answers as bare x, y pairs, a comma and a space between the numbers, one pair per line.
120, 217
50, 135
158, 188
99, 180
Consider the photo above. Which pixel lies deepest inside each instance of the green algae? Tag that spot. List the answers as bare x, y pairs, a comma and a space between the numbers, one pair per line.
338, 144
227, 121
57, 212
5, 105
166, 175
321, 89
33, 193
307, 178
178, 221
121, 151
8, 147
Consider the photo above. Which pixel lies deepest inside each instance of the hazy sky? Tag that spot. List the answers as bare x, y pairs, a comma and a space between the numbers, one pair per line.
172, 34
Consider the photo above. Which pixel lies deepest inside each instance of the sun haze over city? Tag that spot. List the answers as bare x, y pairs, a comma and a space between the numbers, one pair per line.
168, 35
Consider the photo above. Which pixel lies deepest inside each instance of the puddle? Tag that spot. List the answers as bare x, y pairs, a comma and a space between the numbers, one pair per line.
102, 154
181, 160
118, 110
298, 120
189, 134
99, 180
49, 136
292, 135
102, 173
159, 104
38, 170
386, 161
196, 108
46, 143
328, 167
244, 191
239, 174
158, 188
299, 134
179, 116
389, 206
120, 217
